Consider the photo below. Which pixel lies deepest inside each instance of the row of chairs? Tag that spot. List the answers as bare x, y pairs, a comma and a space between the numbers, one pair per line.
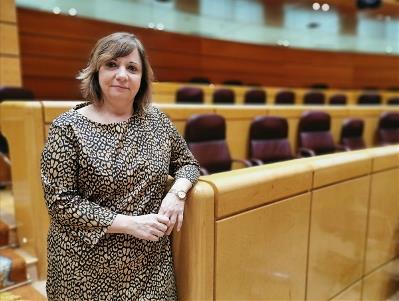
195, 95
205, 135
237, 82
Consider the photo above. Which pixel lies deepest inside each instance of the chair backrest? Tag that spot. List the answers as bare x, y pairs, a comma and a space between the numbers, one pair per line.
255, 96
200, 80
352, 134
314, 98
189, 95
369, 99
268, 139
15, 93
233, 82
338, 99
223, 96
314, 132
393, 101
388, 128
206, 138
285, 97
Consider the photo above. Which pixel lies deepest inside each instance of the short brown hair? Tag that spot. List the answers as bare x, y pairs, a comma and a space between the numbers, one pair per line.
111, 47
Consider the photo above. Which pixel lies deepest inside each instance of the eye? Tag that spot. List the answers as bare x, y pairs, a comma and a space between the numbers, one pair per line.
132, 68
111, 64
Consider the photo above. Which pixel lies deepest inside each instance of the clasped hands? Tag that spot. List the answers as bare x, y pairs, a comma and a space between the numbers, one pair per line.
154, 226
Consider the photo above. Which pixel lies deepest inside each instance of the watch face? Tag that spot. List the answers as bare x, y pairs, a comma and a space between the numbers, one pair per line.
181, 195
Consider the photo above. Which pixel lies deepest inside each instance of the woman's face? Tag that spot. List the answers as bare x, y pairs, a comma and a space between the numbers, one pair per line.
120, 78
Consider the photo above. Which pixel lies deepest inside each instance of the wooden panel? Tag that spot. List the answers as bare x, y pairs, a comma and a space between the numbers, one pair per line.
261, 254
51, 88
45, 36
32, 45
47, 67
10, 73
383, 229
52, 109
9, 39
353, 293
193, 247
247, 188
183, 112
385, 157
7, 11
382, 284
22, 124
335, 168
337, 237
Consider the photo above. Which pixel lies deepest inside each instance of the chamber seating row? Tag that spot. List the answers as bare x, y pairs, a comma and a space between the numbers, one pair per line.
319, 228
210, 94
268, 138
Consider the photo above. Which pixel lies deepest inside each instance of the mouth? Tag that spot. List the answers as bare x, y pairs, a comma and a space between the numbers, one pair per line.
120, 87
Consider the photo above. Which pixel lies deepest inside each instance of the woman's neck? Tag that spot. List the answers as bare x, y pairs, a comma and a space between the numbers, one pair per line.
115, 111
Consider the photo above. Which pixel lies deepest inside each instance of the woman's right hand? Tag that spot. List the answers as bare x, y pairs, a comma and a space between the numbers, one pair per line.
149, 227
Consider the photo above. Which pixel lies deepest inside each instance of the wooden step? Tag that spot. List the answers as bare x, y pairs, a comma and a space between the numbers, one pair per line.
31, 264
4, 234
13, 268
7, 219
26, 292
8, 235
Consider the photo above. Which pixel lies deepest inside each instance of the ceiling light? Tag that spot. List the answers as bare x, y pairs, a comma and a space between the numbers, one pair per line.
316, 6
160, 26
325, 7
72, 11
56, 10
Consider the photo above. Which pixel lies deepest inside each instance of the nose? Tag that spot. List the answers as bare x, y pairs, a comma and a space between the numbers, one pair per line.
121, 73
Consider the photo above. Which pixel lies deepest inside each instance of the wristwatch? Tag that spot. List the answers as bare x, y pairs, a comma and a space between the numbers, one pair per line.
181, 194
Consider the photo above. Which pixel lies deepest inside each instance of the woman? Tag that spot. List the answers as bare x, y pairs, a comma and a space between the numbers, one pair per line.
104, 172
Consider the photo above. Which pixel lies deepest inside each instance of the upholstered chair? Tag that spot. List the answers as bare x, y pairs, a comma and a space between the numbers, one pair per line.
232, 82
314, 136
15, 93
338, 99
285, 97
394, 101
255, 96
369, 99
388, 128
314, 98
200, 80
206, 138
268, 140
223, 96
351, 137
192, 95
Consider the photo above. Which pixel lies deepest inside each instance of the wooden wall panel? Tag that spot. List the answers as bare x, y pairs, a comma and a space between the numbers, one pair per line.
10, 71
178, 57
9, 39
7, 11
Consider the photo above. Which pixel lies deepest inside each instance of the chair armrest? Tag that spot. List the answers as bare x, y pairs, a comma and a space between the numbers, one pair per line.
247, 163
256, 161
5, 158
305, 152
342, 148
204, 171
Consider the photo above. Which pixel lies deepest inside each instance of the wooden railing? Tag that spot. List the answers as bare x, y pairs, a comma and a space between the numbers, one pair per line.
321, 228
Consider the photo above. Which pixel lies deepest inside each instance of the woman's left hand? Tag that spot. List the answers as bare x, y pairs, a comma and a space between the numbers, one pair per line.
173, 208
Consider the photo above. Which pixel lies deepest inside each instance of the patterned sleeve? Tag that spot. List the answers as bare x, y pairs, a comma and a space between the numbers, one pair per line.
182, 162
59, 173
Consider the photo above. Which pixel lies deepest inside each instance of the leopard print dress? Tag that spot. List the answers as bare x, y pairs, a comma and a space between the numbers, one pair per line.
90, 173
